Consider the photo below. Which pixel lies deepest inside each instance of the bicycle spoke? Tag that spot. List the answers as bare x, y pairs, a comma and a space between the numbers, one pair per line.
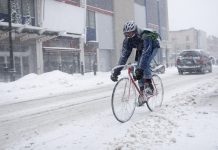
157, 99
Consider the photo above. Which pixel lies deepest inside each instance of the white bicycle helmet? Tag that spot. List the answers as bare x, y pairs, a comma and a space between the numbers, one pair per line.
129, 26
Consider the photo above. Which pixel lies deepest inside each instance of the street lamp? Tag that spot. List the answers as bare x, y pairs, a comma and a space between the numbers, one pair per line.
11, 69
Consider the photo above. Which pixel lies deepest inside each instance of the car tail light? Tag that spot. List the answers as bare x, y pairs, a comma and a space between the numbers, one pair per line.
201, 60
178, 61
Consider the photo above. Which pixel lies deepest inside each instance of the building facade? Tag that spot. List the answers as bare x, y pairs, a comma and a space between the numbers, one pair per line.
100, 28
212, 47
43, 39
186, 39
157, 18
80, 36
146, 13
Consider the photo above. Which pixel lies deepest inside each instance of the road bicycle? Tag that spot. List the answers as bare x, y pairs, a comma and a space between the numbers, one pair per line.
126, 94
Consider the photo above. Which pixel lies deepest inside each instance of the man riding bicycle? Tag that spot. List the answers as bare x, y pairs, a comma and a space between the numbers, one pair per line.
147, 44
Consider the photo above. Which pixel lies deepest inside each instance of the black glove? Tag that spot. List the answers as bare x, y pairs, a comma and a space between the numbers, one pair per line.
138, 73
114, 76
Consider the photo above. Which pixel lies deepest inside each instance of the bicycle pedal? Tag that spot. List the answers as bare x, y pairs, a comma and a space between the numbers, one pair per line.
141, 101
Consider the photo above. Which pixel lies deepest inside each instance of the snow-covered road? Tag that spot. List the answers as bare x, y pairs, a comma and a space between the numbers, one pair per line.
83, 120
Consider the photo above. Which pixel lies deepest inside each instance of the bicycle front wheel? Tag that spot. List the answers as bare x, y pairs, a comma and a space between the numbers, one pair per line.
156, 100
123, 100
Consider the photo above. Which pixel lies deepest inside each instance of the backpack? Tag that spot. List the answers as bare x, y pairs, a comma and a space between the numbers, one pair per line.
150, 34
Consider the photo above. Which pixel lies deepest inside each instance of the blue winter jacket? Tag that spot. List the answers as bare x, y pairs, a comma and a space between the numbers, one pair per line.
142, 43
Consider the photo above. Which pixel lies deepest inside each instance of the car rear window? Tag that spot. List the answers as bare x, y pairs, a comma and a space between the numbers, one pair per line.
190, 53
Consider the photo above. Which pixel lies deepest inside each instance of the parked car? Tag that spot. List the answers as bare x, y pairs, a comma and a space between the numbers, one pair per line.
195, 60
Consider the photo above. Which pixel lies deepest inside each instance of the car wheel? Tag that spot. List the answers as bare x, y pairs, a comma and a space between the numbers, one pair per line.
203, 70
210, 68
180, 72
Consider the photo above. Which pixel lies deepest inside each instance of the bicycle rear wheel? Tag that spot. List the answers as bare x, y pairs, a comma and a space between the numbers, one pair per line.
123, 100
156, 100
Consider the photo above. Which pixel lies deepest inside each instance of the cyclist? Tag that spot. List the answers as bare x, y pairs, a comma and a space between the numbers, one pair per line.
147, 44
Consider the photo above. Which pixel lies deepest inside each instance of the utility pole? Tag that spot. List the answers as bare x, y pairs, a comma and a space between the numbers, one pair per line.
167, 59
160, 55
11, 69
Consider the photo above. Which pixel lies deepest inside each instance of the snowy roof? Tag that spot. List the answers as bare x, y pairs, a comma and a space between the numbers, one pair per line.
34, 29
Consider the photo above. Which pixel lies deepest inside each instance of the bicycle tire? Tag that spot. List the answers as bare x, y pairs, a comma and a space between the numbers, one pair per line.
156, 100
123, 100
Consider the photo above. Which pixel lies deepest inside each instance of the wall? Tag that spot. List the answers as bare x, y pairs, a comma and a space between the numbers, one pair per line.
202, 39
152, 14
105, 37
63, 17
187, 39
140, 15
123, 12
179, 39
212, 46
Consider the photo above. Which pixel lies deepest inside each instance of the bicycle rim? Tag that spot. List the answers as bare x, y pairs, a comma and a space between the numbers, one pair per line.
156, 100
123, 100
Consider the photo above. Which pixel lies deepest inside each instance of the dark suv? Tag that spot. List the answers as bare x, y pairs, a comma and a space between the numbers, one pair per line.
196, 60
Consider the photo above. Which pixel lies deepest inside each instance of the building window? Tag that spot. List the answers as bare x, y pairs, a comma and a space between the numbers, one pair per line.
4, 6
22, 11
173, 39
103, 4
91, 26
140, 2
187, 38
27, 11
4, 10
72, 2
187, 47
90, 19
75, 1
